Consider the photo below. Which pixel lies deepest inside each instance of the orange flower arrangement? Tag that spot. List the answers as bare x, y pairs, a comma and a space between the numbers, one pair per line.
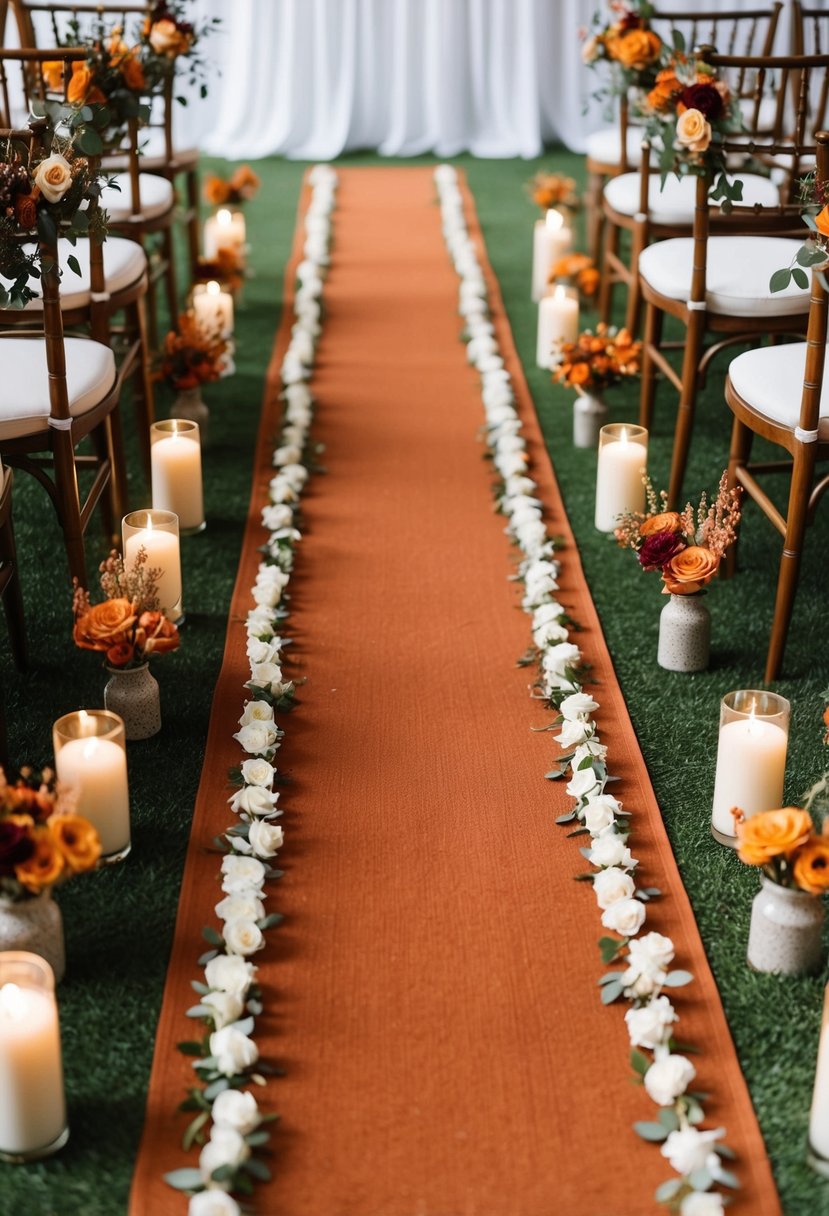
784, 845
596, 361
628, 44
227, 268
43, 840
241, 186
127, 627
551, 190
687, 546
579, 271
192, 355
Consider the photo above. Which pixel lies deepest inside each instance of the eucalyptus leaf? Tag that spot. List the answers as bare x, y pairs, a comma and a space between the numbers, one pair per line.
780, 280
668, 1190
185, 1179
654, 1132
678, 979
639, 1062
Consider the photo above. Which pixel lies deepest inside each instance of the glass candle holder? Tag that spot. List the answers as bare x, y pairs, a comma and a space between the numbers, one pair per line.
156, 531
552, 239
32, 1103
175, 463
213, 308
818, 1145
751, 757
90, 755
225, 230
623, 460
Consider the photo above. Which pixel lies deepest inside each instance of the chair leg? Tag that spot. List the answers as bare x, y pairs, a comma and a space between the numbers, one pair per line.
608, 280
595, 217
193, 226
143, 393
796, 517
117, 488
633, 313
169, 255
13, 599
69, 506
687, 406
741, 440
654, 318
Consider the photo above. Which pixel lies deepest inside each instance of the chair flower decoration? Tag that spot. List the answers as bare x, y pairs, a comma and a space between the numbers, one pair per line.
627, 43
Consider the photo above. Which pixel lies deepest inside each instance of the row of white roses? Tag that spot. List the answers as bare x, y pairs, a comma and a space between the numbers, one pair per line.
694, 1154
254, 840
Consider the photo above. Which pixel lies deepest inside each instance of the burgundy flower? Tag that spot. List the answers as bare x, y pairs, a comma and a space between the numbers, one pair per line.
659, 548
16, 845
702, 97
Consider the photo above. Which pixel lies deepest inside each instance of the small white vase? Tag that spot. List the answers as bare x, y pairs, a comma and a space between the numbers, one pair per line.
133, 694
189, 404
785, 931
589, 416
34, 924
684, 634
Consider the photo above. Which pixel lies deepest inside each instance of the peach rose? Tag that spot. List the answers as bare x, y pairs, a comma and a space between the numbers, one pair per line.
133, 73
693, 130
772, 834
156, 634
53, 177
44, 867
52, 71
668, 521
637, 48
167, 39
811, 866
104, 625
822, 221
77, 841
689, 571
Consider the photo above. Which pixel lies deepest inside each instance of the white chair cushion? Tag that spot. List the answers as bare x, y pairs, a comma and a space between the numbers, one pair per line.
153, 152
24, 385
124, 264
770, 380
675, 204
737, 282
156, 197
604, 146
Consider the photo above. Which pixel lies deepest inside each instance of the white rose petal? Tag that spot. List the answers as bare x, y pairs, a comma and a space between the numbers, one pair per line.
237, 1109
232, 1051
612, 885
667, 1078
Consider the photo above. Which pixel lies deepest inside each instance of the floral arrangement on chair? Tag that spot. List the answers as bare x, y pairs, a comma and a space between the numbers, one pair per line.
597, 361
112, 76
43, 841
169, 42
685, 547
579, 271
627, 43
127, 627
242, 185
192, 355
814, 201
553, 191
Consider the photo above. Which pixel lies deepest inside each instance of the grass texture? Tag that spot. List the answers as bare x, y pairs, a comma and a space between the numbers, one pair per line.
119, 923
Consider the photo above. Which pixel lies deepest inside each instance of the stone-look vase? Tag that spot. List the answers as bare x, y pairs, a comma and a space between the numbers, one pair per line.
34, 924
684, 634
589, 416
133, 694
785, 931
189, 404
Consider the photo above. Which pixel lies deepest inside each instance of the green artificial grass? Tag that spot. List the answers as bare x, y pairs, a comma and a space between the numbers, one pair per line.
119, 923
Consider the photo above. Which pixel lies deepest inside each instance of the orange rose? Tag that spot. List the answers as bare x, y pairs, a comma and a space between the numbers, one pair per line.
133, 73
104, 625
245, 182
120, 654
811, 866
772, 834
216, 190
44, 867
81, 87
156, 634
52, 72
588, 281
77, 841
668, 521
636, 49
689, 571
580, 373
822, 221
665, 89
25, 210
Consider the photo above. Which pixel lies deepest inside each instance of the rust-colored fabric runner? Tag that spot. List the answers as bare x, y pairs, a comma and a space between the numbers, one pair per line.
432, 995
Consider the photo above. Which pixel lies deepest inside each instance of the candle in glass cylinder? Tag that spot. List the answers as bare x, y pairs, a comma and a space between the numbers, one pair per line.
157, 532
32, 1103
558, 321
90, 755
623, 456
818, 1152
175, 462
552, 239
224, 230
213, 308
751, 757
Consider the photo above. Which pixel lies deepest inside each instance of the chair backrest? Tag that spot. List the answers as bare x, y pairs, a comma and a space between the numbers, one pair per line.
810, 28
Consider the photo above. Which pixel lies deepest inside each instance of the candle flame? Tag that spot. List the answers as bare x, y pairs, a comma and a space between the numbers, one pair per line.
623, 435
85, 723
214, 288
554, 220
149, 521
13, 1002
560, 293
752, 717
224, 217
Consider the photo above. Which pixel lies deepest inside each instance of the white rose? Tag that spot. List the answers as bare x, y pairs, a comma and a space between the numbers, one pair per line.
226, 973
257, 737
237, 1109
258, 772
281, 490
600, 812
266, 675
213, 1203
225, 1147
53, 176
572, 733
578, 705
240, 873
667, 1078
654, 951
256, 711
244, 905
611, 850
702, 1203
612, 885
265, 839
691, 1149
232, 1050
592, 748
560, 657
296, 475
627, 917
259, 622
242, 937
549, 633
650, 1025
583, 782
277, 516
288, 454
267, 595
227, 1006
253, 800
263, 652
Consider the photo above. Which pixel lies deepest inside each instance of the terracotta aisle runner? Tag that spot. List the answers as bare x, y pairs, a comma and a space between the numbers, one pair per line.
433, 991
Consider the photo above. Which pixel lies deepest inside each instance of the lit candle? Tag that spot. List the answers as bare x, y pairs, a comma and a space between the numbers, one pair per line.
623, 456
552, 239
819, 1116
32, 1104
175, 461
558, 321
224, 230
213, 308
751, 757
157, 532
90, 756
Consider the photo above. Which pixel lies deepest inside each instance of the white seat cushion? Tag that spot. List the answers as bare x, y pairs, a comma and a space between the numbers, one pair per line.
604, 146
675, 204
156, 197
24, 385
124, 264
153, 152
770, 380
738, 273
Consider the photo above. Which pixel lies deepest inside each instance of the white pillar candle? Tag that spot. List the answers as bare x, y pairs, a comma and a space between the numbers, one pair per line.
175, 462
552, 239
224, 230
213, 308
621, 467
163, 553
819, 1115
32, 1104
97, 768
751, 764
558, 321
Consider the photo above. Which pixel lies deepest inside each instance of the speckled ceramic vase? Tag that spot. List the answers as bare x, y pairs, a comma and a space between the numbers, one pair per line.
684, 634
133, 694
589, 416
785, 932
34, 924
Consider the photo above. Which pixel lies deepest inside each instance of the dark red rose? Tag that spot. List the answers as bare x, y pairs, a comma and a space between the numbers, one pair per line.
702, 97
16, 845
632, 21
659, 548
